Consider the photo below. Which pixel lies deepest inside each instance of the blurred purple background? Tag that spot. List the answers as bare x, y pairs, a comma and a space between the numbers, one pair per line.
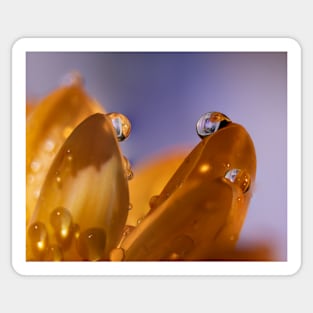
164, 94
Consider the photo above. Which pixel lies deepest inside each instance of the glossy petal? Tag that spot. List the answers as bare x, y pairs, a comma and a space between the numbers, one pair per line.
198, 211
49, 123
149, 180
84, 201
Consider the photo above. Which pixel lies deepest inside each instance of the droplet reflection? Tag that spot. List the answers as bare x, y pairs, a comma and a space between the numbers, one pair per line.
240, 178
210, 123
121, 125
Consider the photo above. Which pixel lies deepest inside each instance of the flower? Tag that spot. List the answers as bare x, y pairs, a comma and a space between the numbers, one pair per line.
78, 193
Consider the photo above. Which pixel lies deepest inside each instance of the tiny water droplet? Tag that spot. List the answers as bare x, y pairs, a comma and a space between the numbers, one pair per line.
153, 202
61, 221
35, 166
54, 253
49, 145
139, 221
240, 178
58, 178
36, 193
127, 230
30, 179
117, 254
130, 206
210, 123
38, 238
127, 168
178, 248
69, 155
91, 244
121, 125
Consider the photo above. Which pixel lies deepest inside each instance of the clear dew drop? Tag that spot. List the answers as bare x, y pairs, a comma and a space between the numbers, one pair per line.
153, 202
35, 166
49, 145
121, 125
117, 254
58, 178
240, 178
91, 244
37, 236
210, 123
61, 221
127, 168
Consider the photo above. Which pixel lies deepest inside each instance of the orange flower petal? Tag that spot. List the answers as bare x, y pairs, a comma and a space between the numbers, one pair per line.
48, 125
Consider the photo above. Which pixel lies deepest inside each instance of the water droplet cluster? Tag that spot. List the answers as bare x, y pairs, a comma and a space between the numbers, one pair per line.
89, 243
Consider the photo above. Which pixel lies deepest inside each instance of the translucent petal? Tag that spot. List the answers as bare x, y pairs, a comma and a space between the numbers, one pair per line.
198, 203
85, 195
49, 123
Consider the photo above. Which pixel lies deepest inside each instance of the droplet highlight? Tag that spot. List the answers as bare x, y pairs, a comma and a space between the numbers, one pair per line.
91, 244
121, 124
54, 253
240, 178
61, 221
211, 122
37, 236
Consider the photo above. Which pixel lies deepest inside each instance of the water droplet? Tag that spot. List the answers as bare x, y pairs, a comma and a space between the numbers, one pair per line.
179, 248
153, 202
61, 221
117, 254
49, 145
240, 178
127, 168
139, 221
69, 155
30, 179
72, 79
38, 239
128, 229
76, 230
210, 123
54, 253
36, 193
91, 244
35, 166
130, 206
58, 178
121, 125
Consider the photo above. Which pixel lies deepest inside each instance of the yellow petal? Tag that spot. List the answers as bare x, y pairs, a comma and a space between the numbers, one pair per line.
84, 201
199, 211
149, 180
48, 125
